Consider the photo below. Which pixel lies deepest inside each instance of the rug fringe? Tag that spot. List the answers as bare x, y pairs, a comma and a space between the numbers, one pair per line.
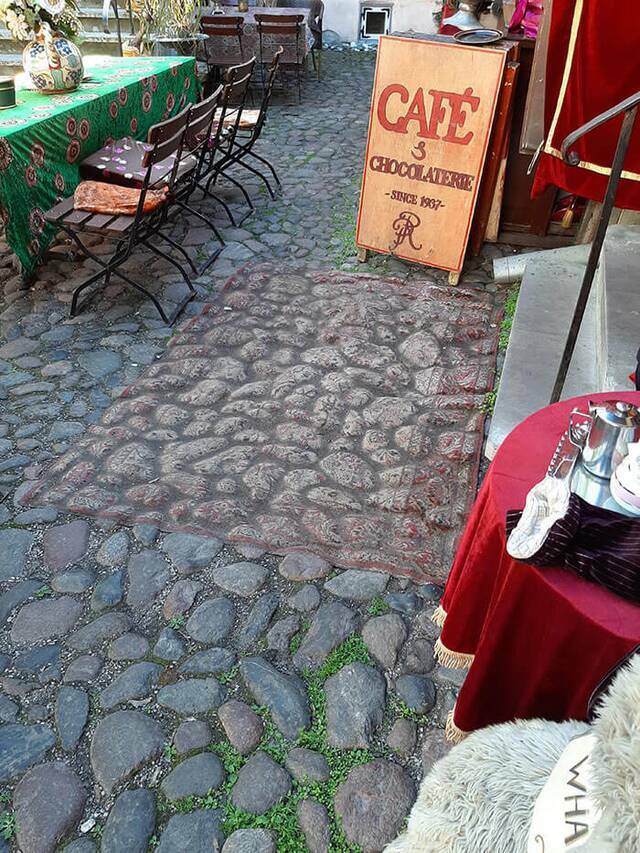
438, 616
451, 732
450, 659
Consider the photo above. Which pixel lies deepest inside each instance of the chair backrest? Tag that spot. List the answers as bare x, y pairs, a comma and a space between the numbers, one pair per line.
268, 92
168, 128
281, 30
200, 126
222, 25
224, 39
161, 150
167, 138
236, 82
234, 96
279, 24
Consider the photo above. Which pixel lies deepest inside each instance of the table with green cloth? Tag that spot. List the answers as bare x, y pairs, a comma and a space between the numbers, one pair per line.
44, 138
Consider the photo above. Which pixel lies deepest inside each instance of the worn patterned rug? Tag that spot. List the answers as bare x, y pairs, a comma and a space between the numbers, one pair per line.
326, 412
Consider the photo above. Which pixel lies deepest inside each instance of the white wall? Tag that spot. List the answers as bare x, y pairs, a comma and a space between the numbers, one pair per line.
414, 15
343, 16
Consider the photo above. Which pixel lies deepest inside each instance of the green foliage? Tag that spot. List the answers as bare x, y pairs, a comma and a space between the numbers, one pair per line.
400, 708
343, 224
170, 752
154, 841
177, 622
8, 825
489, 401
295, 642
228, 676
378, 606
5, 797
510, 306
163, 807
352, 650
273, 741
43, 592
97, 831
282, 818
186, 804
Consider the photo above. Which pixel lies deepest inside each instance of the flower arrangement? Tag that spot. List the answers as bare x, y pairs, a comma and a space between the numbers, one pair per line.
25, 18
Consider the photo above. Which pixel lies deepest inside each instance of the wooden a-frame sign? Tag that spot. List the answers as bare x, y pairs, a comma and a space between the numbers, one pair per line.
431, 115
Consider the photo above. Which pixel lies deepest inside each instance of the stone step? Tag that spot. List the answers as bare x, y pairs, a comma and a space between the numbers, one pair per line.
547, 299
609, 339
92, 42
11, 63
618, 278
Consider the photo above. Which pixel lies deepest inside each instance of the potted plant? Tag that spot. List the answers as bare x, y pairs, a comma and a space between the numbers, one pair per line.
166, 23
51, 58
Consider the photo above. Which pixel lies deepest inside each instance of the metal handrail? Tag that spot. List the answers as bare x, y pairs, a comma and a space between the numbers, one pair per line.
628, 107
106, 7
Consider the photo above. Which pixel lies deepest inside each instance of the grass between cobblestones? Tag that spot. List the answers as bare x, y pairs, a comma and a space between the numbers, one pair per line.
282, 818
510, 305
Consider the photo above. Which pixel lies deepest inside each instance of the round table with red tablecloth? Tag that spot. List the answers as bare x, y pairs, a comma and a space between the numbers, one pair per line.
536, 640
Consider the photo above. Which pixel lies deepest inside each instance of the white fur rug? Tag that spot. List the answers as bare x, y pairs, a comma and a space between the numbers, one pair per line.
479, 798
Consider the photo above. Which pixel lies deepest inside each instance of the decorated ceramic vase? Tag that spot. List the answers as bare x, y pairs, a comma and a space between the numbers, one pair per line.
53, 63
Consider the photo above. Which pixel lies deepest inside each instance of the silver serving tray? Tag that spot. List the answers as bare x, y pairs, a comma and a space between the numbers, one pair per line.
566, 462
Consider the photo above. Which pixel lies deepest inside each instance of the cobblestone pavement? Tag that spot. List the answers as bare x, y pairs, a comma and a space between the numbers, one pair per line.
154, 694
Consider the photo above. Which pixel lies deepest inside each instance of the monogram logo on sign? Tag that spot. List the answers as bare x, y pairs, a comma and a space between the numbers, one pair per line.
404, 226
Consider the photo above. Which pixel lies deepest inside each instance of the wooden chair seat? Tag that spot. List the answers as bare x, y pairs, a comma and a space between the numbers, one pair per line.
122, 162
64, 214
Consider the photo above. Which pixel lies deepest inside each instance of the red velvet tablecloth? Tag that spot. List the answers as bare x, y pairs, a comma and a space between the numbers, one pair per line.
537, 640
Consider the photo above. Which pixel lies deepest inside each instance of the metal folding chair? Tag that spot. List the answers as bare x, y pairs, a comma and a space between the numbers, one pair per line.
221, 152
315, 25
197, 141
286, 31
250, 129
223, 47
130, 231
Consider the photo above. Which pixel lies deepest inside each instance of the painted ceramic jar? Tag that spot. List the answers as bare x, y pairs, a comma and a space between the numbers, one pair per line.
53, 63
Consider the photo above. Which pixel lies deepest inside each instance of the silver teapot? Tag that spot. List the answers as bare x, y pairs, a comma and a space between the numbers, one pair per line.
611, 427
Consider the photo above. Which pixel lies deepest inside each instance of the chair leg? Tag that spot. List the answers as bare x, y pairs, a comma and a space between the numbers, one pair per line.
171, 260
225, 206
180, 249
267, 164
169, 320
206, 191
259, 175
244, 193
91, 280
202, 218
111, 268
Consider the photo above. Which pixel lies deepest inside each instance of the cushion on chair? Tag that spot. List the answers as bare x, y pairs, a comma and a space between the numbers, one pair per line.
99, 197
121, 162
248, 118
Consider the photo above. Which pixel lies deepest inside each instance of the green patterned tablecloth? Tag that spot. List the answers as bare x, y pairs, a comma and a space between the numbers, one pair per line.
45, 137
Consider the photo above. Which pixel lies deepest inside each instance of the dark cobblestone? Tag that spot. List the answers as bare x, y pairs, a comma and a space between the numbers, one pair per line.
57, 377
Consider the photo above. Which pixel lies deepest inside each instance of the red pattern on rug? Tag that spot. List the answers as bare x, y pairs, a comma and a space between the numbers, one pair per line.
334, 413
